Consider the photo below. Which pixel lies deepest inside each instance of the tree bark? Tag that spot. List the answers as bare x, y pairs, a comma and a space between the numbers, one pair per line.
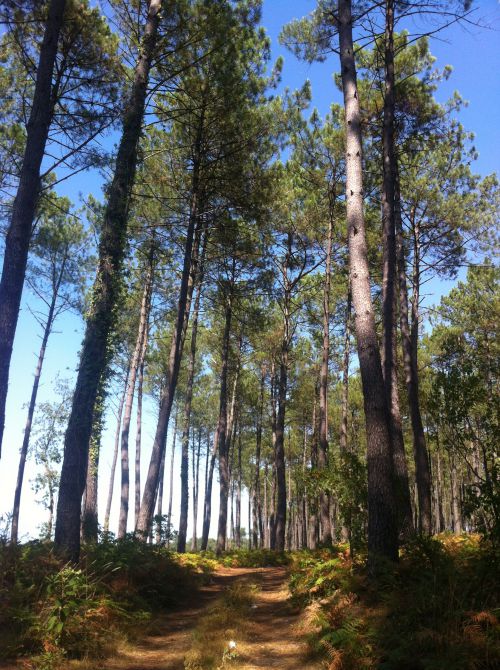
409, 339
196, 488
127, 417
189, 273
171, 482
31, 409
221, 432
389, 367
238, 497
25, 203
256, 508
90, 521
100, 320
382, 525
183, 522
326, 530
115, 455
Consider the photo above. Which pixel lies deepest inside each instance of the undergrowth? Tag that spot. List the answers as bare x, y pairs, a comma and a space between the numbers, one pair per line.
51, 611
437, 609
215, 639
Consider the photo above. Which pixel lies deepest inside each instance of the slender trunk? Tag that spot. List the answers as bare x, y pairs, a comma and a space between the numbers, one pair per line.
127, 416
389, 297
31, 410
313, 503
196, 494
171, 482
257, 511
280, 518
409, 339
207, 505
189, 275
382, 524
238, 497
25, 203
106, 290
115, 455
181, 538
159, 503
221, 432
326, 530
455, 497
345, 379
138, 435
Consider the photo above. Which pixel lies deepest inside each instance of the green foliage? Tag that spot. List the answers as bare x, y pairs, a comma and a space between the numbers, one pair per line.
436, 609
254, 558
55, 611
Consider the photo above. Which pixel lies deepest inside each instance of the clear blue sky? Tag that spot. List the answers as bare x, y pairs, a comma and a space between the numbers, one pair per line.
474, 54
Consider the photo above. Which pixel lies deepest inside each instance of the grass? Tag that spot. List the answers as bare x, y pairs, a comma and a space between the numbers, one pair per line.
216, 638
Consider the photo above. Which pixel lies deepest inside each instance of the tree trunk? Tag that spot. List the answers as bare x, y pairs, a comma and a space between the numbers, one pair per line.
106, 289
207, 505
31, 410
171, 482
115, 455
138, 435
257, 511
409, 340
90, 521
19, 233
326, 530
127, 417
159, 504
389, 366
238, 497
196, 484
382, 525
345, 379
189, 276
221, 432
181, 538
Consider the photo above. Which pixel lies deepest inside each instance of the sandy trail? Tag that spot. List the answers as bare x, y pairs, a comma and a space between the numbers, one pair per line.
271, 639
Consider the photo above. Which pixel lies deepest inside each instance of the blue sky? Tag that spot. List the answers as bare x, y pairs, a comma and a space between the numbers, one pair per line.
474, 54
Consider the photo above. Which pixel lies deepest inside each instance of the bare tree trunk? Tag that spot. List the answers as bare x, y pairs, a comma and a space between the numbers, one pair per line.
19, 233
221, 432
257, 511
106, 289
159, 502
409, 339
405, 521
313, 502
138, 435
115, 456
326, 530
171, 481
135, 364
189, 276
31, 410
207, 505
181, 538
455, 497
382, 524
196, 484
238, 497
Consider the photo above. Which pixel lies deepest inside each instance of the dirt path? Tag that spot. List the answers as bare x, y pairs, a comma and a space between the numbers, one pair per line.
271, 640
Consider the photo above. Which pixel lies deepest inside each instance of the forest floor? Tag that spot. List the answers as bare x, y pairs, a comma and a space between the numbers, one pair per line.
271, 638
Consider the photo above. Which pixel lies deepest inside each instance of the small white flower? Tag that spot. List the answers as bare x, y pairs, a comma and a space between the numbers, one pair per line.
231, 645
